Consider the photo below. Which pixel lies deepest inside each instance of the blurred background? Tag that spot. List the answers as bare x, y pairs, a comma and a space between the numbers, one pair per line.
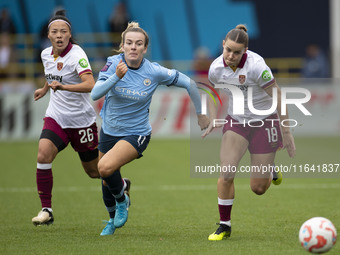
300, 41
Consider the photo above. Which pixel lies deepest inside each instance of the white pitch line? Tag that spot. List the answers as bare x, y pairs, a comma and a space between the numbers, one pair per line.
172, 188
246, 186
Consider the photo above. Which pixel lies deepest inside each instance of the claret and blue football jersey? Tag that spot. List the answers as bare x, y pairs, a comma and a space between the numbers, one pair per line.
68, 109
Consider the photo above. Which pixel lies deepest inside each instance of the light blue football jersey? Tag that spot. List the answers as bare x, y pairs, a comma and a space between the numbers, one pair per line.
126, 106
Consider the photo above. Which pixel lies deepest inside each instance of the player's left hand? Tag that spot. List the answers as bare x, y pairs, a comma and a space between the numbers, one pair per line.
289, 144
203, 121
56, 86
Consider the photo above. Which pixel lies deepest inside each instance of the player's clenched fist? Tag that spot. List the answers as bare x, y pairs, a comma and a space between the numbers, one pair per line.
121, 69
56, 86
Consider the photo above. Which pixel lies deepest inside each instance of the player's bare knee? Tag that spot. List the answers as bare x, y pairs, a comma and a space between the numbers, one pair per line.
226, 180
104, 169
258, 189
227, 177
93, 173
44, 157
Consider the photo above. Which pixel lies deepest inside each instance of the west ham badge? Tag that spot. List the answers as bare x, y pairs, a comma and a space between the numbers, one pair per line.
242, 78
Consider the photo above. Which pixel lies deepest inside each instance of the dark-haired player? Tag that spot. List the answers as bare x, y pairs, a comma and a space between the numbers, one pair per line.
69, 118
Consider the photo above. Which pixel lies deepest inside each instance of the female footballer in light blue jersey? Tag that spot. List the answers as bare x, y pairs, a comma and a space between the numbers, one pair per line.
128, 81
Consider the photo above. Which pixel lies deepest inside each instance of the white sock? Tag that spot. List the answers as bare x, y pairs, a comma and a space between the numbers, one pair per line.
49, 209
228, 223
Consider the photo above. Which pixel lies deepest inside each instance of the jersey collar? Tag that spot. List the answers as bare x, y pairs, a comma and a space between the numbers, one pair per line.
242, 62
67, 50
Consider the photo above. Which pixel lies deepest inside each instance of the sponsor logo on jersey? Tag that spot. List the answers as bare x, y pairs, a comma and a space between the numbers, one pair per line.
60, 66
242, 78
233, 82
131, 93
104, 69
52, 77
83, 63
147, 82
266, 75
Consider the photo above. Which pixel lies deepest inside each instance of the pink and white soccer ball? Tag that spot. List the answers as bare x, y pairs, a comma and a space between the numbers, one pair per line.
317, 235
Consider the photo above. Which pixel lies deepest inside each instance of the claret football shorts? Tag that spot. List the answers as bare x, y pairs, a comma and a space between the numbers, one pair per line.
81, 139
263, 136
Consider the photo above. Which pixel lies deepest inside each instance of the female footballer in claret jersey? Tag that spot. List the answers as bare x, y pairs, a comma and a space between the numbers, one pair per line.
70, 117
240, 67
128, 81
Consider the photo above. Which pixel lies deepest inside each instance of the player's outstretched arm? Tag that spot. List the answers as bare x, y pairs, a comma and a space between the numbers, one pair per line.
185, 82
212, 109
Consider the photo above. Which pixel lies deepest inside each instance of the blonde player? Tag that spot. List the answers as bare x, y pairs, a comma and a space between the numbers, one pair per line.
128, 81
244, 69
69, 118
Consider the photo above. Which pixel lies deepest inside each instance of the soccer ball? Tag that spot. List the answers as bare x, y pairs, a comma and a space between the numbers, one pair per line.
317, 235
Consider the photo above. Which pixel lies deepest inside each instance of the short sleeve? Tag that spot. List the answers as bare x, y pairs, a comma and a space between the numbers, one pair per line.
263, 74
83, 64
108, 69
211, 76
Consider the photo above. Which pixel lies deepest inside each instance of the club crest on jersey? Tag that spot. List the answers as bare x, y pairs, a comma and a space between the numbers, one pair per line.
147, 82
242, 78
59, 66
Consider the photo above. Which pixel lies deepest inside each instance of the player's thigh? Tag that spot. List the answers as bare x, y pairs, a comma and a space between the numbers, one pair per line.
47, 151
266, 138
120, 154
84, 141
91, 168
261, 165
52, 140
233, 147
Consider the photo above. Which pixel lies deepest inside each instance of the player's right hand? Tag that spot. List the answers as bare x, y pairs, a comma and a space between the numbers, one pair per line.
121, 69
203, 121
210, 128
39, 93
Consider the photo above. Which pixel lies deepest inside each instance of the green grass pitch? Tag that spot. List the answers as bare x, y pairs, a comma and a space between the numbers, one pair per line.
171, 213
